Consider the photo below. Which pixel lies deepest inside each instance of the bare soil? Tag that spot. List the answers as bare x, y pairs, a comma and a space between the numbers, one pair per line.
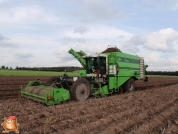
154, 110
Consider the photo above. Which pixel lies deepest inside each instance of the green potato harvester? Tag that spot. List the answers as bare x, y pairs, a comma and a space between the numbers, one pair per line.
108, 72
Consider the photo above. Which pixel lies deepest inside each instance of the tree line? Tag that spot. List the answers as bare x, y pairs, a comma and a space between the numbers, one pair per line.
52, 69
73, 68
5, 67
166, 73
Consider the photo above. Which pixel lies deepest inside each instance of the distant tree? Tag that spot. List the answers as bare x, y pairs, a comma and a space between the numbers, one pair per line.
10, 68
17, 68
176, 73
7, 68
3, 67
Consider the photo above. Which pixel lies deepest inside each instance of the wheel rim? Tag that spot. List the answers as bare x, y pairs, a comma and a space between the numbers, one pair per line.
82, 91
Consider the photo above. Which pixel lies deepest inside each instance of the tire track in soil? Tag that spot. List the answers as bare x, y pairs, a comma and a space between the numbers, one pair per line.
73, 108
171, 126
96, 116
28, 108
162, 128
158, 121
84, 109
173, 129
87, 105
163, 98
39, 114
78, 113
87, 118
124, 125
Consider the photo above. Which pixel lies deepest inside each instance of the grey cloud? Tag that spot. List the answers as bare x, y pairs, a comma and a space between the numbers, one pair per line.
6, 42
80, 30
2, 37
58, 52
100, 11
132, 44
96, 10
68, 39
63, 57
132, 49
121, 36
137, 40
170, 42
23, 55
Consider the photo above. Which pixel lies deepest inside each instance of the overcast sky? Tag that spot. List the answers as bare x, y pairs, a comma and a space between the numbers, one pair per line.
39, 33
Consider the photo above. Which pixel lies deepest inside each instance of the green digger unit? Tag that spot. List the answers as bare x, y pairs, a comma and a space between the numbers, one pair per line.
108, 72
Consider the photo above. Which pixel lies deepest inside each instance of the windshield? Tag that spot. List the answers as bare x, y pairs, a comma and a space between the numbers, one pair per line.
95, 63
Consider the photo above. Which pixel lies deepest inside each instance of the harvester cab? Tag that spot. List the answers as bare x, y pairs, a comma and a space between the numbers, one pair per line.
105, 73
96, 65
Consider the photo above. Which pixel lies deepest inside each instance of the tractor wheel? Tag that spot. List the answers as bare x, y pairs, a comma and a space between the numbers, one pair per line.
129, 86
80, 90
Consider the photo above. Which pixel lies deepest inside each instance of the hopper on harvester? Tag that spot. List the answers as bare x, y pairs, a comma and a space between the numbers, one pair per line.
104, 73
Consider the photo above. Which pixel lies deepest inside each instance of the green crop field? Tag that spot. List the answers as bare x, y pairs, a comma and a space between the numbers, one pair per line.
34, 73
45, 73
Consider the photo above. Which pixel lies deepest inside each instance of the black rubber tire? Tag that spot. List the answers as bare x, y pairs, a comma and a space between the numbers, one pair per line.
80, 90
129, 86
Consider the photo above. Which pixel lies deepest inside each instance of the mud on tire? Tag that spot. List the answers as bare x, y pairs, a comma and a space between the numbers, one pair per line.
80, 90
129, 86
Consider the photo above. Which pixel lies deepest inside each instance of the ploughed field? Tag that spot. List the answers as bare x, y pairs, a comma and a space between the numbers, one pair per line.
154, 110
10, 85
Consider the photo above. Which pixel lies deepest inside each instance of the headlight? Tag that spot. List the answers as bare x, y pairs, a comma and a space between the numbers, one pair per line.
49, 97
